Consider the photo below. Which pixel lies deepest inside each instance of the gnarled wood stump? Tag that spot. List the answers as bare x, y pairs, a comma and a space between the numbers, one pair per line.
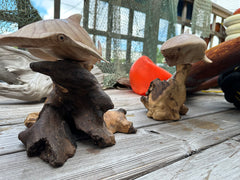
165, 99
75, 106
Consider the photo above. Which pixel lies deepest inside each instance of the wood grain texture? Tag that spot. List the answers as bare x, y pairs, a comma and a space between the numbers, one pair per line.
219, 162
56, 39
131, 155
162, 147
223, 56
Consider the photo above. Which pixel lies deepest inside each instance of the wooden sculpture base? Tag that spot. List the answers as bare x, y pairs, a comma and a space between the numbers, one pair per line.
165, 99
75, 107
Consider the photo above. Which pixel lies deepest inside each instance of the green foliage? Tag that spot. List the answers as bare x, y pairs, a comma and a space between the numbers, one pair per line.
160, 58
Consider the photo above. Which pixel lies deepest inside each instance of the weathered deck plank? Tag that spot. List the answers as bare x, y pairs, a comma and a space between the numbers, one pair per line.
136, 154
131, 155
204, 131
156, 146
199, 132
219, 162
199, 105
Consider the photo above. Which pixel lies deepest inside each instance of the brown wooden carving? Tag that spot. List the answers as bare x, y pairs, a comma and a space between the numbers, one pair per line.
165, 99
204, 75
75, 106
115, 121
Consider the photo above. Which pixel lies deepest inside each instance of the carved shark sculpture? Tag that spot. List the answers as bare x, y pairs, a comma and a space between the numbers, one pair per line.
56, 39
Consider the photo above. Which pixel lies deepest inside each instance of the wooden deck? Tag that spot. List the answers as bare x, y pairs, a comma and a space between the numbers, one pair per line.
204, 144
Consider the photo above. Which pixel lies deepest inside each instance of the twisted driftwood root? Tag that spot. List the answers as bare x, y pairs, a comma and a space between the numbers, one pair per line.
50, 137
75, 106
115, 121
165, 99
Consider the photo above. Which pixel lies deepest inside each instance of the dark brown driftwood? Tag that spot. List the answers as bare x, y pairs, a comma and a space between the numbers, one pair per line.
75, 106
115, 121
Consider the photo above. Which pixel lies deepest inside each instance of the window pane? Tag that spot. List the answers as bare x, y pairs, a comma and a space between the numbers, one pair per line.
138, 24
163, 30
136, 50
120, 20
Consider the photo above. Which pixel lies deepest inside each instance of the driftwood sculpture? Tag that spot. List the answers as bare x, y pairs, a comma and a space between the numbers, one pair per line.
76, 105
165, 99
20, 82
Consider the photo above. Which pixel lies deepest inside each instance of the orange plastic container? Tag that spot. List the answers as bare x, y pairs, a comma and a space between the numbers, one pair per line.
143, 72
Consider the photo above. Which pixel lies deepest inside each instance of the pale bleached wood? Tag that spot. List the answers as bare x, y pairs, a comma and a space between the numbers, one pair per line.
187, 130
219, 162
9, 139
153, 147
134, 153
14, 111
56, 40
203, 131
199, 104
20, 81
126, 99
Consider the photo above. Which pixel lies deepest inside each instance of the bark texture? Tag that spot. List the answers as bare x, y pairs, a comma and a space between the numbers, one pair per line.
74, 107
165, 99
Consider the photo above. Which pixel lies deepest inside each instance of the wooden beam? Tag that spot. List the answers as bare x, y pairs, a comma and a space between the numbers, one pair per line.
220, 11
86, 14
57, 9
151, 30
129, 41
109, 30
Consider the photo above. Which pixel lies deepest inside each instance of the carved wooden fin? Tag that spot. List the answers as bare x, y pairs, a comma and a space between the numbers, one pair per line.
75, 18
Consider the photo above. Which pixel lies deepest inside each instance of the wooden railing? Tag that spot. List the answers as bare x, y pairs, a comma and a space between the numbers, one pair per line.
218, 16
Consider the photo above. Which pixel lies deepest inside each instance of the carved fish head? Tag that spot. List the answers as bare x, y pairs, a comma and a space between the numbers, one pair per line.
184, 49
56, 39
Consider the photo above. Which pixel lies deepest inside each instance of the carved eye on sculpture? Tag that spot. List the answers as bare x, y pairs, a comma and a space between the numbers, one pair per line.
61, 37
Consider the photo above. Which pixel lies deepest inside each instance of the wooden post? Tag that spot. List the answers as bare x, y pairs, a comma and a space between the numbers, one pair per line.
57, 9
95, 20
184, 16
109, 30
129, 45
151, 30
86, 14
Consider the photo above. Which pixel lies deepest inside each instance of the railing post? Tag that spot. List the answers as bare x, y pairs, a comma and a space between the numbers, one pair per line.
130, 27
109, 30
57, 9
151, 30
